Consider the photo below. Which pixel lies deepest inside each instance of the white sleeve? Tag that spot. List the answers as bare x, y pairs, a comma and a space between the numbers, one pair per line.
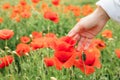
112, 8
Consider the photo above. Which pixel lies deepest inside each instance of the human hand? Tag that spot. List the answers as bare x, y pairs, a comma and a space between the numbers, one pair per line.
88, 27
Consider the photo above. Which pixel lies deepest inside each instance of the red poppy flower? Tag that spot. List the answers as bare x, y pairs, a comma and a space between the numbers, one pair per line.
6, 34
94, 50
35, 1
76, 10
68, 40
25, 14
17, 9
23, 2
87, 9
51, 16
44, 42
36, 34
100, 44
37, 43
1, 20
117, 52
22, 49
50, 42
13, 15
17, 19
85, 69
64, 59
63, 46
49, 62
55, 2
44, 5
6, 6
25, 39
6, 61
107, 33
52, 35
88, 61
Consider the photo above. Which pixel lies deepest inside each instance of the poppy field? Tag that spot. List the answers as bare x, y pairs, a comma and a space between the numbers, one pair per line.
34, 44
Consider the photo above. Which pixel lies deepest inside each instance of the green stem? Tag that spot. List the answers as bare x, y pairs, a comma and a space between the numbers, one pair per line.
5, 43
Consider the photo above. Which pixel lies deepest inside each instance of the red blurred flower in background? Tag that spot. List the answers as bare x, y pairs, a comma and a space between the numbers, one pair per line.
55, 2
6, 6
107, 33
37, 43
36, 34
6, 34
87, 9
25, 14
1, 20
117, 52
22, 49
51, 16
98, 43
49, 62
35, 1
25, 39
6, 61
75, 9
51, 35
23, 2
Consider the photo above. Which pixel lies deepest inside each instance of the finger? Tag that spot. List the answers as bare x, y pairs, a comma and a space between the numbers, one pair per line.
81, 43
88, 41
76, 37
72, 33
75, 30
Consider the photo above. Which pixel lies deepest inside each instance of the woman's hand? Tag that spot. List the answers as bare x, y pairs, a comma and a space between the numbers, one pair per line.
88, 27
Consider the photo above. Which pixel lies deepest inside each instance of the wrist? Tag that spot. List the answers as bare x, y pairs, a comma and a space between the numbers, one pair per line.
101, 14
